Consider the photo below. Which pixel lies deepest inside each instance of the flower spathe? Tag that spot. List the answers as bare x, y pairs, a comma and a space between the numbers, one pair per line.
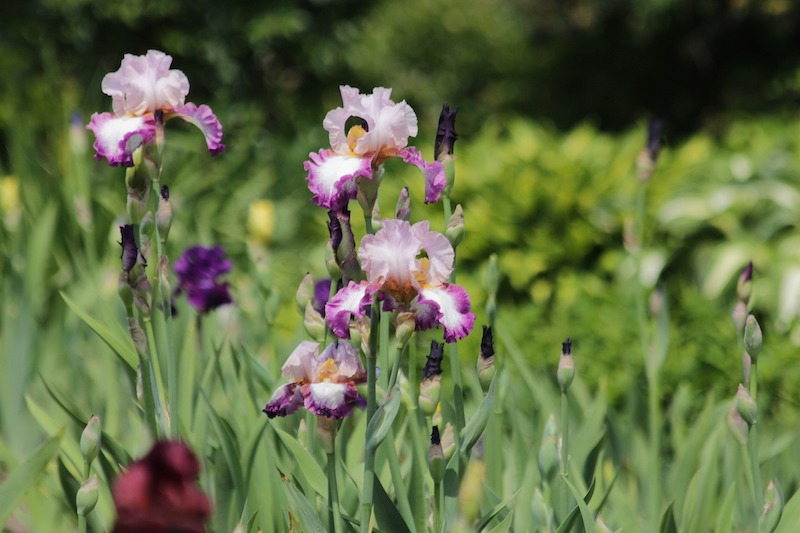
358, 151
142, 86
403, 278
325, 384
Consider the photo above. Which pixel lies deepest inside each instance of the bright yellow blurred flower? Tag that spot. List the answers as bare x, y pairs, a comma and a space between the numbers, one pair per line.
261, 220
10, 204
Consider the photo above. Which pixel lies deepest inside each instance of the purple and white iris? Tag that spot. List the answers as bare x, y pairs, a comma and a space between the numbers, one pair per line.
358, 151
325, 384
407, 266
142, 86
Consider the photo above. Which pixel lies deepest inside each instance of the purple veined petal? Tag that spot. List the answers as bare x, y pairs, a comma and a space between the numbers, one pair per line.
285, 401
348, 364
334, 400
435, 177
144, 84
390, 255
116, 138
300, 364
350, 300
331, 177
452, 303
205, 120
389, 124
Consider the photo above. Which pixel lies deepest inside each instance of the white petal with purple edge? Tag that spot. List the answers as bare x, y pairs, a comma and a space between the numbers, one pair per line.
334, 400
331, 177
205, 120
454, 309
350, 300
117, 137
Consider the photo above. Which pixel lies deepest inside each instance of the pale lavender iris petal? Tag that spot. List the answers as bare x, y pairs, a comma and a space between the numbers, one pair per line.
435, 177
300, 364
389, 124
391, 254
350, 300
334, 400
116, 138
349, 365
453, 309
286, 400
331, 177
336, 119
439, 251
144, 84
206, 121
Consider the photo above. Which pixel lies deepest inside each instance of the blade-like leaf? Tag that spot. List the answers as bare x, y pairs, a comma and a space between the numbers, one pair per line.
725, 516
587, 516
475, 426
14, 487
383, 418
569, 521
301, 510
668, 524
386, 514
591, 459
494, 511
308, 465
791, 515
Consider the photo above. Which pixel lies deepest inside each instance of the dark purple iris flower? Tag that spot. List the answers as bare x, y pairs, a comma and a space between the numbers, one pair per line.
197, 271
322, 291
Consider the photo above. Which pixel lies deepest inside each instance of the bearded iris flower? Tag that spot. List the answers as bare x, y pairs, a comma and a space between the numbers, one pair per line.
407, 267
145, 91
357, 152
325, 384
197, 271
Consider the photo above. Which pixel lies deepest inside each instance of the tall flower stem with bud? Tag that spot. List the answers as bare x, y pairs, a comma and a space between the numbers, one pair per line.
565, 375
748, 405
369, 453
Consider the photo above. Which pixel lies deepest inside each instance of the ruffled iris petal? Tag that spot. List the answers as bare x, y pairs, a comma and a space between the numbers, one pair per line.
145, 83
331, 177
348, 364
350, 300
116, 138
333, 400
390, 256
435, 177
439, 251
300, 364
453, 306
205, 120
286, 400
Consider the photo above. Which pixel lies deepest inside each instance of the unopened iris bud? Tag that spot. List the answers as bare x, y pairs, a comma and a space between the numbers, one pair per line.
86, 498
313, 323
542, 513
752, 337
90, 440
647, 158
403, 208
448, 441
326, 432
746, 406
744, 285
739, 316
436, 418
773, 508
566, 366
486, 359
304, 292
430, 387
145, 227
455, 227
331, 264
125, 292
343, 244
406, 324
130, 252
737, 425
446, 135
548, 451
436, 461
164, 214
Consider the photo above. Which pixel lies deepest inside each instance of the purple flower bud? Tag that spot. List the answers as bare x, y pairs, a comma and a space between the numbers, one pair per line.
487, 343
433, 366
322, 291
446, 134
435, 439
654, 131
129, 250
197, 270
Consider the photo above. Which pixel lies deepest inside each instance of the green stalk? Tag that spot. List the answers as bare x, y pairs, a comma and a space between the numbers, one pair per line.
437, 507
564, 451
655, 444
81, 523
156, 384
455, 361
335, 517
752, 444
397, 480
369, 453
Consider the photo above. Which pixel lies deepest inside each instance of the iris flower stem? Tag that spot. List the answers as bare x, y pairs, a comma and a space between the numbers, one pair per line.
455, 361
154, 377
437, 507
752, 444
336, 524
397, 480
369, 453
166, 309
564, 450
81, 523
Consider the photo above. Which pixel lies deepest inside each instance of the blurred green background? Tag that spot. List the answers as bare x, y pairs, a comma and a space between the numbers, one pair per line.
554, 97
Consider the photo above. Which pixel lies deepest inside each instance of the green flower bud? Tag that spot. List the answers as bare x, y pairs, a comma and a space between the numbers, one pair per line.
744, 285
566, 366
436, 461
737, 425
90, 440
455, 227
326, 432
486, 368
164, 214
86, 498
542, 513
313, 323
752, 337
125, 292
331, 264
739, 316
448, 441
305, 292
406, 324
746, 406
429, 392
773, 508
